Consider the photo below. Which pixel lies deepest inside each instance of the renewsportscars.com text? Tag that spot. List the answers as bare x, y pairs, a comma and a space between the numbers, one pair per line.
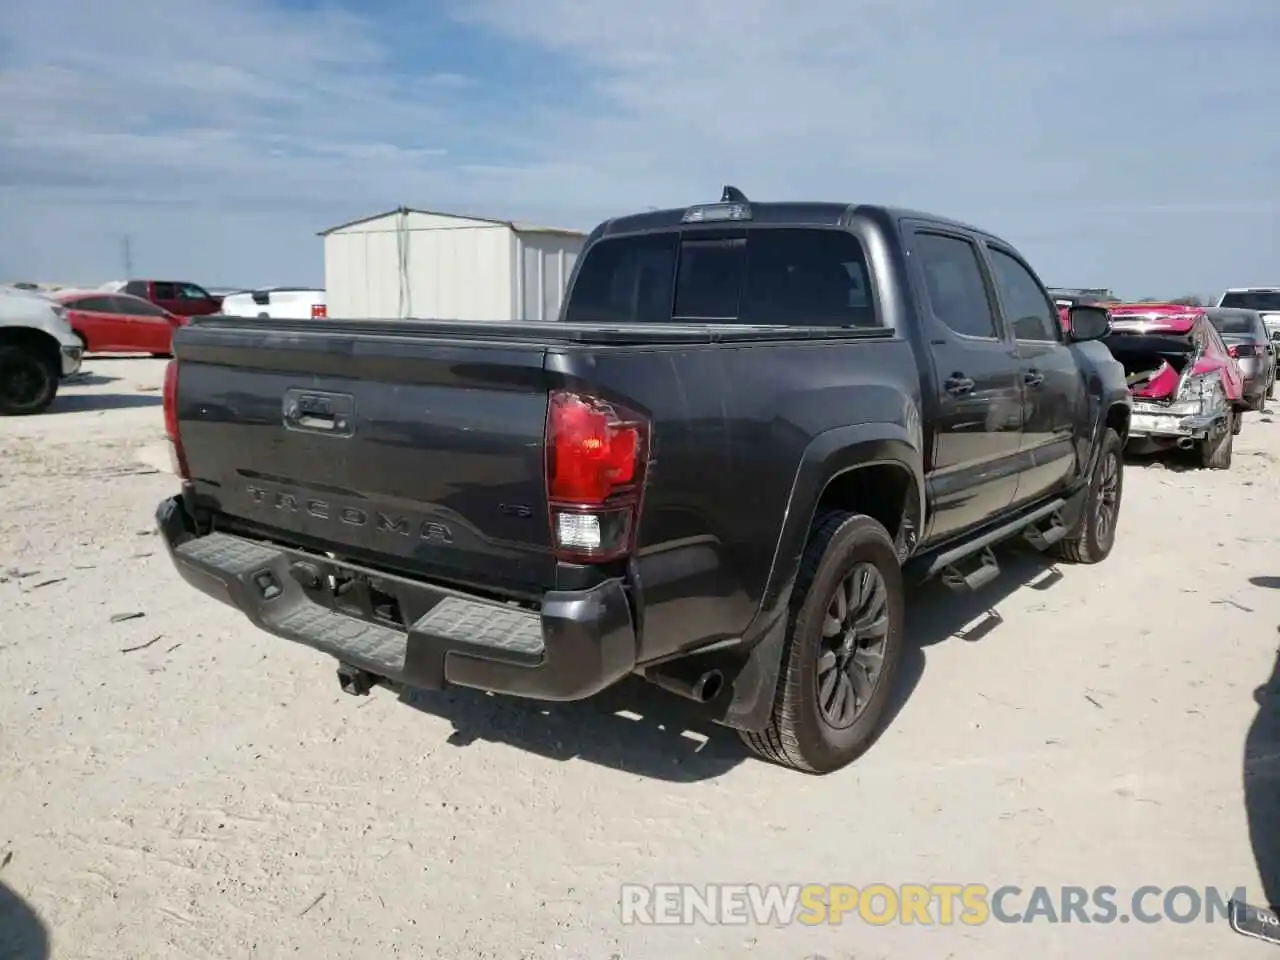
931, 904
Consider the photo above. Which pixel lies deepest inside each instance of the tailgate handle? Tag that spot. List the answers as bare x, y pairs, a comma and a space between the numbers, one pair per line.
321, 421
313, 411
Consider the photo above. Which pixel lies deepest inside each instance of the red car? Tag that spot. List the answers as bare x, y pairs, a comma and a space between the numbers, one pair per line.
119, 323
1187, 390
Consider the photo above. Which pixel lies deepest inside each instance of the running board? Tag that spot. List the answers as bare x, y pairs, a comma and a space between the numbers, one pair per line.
1042, 538
972, 573
981, 545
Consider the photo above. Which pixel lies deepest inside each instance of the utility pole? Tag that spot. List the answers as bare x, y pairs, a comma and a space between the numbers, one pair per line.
128, 256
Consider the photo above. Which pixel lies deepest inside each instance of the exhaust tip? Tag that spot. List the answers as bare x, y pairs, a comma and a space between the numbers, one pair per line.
708, 686
686, 682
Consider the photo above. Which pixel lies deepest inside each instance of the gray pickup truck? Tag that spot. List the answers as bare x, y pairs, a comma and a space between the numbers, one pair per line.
751, 424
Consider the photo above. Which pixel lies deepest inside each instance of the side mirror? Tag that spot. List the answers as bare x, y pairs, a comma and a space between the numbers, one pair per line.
1089, 323
1275, 334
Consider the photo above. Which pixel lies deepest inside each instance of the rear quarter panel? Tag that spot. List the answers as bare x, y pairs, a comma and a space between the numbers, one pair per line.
738, 429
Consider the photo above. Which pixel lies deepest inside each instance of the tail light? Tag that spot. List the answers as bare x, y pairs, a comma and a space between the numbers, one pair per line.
597, 453
1239, 350
177, 456
319, 311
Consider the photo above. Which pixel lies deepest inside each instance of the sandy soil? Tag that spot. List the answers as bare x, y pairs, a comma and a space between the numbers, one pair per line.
177, 784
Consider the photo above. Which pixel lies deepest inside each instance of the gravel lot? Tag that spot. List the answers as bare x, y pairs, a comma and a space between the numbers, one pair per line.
177, 784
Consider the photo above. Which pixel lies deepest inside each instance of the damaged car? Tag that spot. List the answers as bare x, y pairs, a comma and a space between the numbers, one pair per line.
1187, 389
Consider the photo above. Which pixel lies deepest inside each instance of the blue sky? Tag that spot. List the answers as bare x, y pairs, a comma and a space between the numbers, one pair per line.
1129, 143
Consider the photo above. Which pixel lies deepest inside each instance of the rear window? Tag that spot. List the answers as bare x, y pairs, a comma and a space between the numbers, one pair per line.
1252, 300
1234, 324
801, 277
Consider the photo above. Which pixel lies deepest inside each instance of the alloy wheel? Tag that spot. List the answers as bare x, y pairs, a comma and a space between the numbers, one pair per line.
851, 654
1108, 496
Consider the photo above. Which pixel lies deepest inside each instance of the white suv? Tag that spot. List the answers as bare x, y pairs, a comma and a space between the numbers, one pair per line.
37, 349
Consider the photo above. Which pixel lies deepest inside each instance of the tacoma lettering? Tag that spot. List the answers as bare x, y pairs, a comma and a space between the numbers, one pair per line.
429, 530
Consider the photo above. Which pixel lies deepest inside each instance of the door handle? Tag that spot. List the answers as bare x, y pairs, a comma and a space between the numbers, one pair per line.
958, 383
1033, 378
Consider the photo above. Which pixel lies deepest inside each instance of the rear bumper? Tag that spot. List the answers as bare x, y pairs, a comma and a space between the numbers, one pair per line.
578, 644
1154, 425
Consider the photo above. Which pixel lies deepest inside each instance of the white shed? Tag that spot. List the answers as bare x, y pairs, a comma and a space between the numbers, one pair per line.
419, 264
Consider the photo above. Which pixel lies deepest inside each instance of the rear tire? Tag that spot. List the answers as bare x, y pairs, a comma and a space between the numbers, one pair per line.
28, 381
1095, 533
1215, 451
829, 659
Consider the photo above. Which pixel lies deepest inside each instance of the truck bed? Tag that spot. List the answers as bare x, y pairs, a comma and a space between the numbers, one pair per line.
411, 445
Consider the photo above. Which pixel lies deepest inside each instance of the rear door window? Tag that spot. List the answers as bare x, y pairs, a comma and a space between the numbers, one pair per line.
165, 291
953, 281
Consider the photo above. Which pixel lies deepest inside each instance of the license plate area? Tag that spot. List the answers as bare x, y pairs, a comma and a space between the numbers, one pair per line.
1143, 423
357, 594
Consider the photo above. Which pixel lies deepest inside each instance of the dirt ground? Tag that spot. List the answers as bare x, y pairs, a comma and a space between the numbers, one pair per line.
174, 783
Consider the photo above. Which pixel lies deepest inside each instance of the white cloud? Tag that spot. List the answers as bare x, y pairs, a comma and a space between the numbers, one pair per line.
204, 119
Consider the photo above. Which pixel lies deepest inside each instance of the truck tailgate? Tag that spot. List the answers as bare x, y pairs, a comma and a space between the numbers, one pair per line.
413, 449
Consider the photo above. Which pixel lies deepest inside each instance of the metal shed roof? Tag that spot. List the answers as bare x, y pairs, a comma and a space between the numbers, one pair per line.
515, 225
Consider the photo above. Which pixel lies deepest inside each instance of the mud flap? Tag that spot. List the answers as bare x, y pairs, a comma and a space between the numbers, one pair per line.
752, 686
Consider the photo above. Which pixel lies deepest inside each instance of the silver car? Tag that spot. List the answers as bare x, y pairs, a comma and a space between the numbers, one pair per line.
1250, 344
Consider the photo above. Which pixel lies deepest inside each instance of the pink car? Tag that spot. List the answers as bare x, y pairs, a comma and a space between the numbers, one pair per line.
1187, 390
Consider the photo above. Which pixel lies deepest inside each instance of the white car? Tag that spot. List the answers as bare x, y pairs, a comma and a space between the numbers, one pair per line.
37, 349
277, 303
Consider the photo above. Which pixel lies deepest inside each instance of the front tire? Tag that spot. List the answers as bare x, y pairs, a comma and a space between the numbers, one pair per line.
1095, 533
28, 381
843, 647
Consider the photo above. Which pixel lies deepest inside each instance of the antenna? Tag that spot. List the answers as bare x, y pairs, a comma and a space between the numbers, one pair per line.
732, 195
